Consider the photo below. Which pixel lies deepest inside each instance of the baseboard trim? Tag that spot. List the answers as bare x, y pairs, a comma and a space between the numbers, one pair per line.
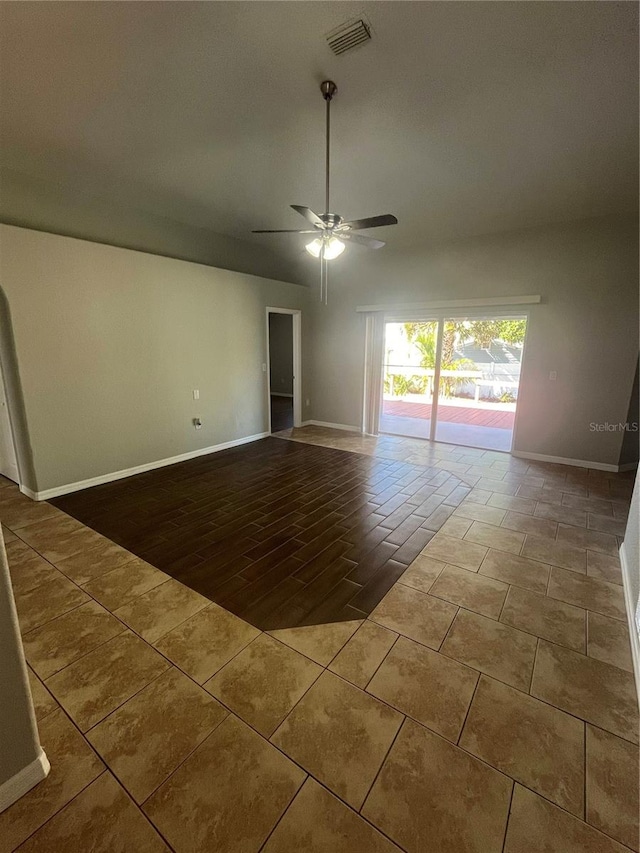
57, 491
630, 606
562, 460
327, 425
24, 781
628, 466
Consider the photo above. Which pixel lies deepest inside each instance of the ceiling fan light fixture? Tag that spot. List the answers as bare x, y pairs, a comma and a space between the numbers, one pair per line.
314, 247
333, 248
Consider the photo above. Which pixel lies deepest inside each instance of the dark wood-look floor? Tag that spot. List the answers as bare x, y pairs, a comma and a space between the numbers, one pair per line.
278, 532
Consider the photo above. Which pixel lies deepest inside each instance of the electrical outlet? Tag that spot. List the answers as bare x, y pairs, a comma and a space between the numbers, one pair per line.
197, 422
196, 394
553, 376
306, 402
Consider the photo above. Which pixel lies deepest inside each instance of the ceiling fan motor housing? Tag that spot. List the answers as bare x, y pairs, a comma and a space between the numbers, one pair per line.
331, 220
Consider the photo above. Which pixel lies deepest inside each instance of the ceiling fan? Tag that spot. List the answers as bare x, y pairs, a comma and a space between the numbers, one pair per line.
332, 230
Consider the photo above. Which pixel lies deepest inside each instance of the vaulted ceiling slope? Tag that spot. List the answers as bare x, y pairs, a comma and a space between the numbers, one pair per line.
461, 118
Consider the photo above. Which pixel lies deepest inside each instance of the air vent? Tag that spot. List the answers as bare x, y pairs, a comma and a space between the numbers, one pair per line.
349, 35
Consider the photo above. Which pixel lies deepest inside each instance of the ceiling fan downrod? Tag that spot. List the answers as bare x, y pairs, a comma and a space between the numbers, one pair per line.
328, 89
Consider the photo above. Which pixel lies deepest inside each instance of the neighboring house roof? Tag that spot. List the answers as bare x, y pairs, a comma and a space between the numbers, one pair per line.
498, 353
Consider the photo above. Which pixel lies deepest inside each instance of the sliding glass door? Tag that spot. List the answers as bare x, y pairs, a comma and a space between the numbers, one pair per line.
453, 379
409, 368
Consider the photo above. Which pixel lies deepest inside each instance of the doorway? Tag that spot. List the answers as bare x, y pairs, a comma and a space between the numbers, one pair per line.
283, 368
453, 379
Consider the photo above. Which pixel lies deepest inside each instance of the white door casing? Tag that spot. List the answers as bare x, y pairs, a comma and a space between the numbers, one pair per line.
8, 460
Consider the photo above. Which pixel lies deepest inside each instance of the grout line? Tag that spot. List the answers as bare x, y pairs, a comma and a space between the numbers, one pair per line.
382, 763
365, 688
546, 591
448, 631
466, 716
286, 809
533, 669
506, 825
504, 601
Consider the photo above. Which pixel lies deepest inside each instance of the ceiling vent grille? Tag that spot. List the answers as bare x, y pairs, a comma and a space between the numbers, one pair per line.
347, 36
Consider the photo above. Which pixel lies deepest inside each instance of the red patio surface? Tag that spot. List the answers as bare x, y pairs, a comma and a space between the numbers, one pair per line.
453, 414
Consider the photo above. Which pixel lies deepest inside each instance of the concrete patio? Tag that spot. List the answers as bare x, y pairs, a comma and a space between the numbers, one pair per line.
485, 425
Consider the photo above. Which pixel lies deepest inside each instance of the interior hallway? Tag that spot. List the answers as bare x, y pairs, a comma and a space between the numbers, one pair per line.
486, 704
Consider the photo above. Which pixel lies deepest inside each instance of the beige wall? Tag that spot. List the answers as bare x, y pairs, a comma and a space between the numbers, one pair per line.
110, 344
586, 329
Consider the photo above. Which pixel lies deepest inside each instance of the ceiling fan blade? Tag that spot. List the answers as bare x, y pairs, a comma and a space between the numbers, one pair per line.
282, 231
372, 222
362, 240
309, 215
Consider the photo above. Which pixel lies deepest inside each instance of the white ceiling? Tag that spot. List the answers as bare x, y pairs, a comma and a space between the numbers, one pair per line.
459, 117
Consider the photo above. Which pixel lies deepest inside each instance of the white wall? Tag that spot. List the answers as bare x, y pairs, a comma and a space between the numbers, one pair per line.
110, 344
586, 328
630, 450
632, 550
22, 761
630, 558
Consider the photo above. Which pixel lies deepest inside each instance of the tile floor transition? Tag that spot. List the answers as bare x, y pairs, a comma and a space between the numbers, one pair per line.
486, 705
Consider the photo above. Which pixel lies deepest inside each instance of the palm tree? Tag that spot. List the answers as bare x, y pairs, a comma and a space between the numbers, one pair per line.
425, 341
423, 336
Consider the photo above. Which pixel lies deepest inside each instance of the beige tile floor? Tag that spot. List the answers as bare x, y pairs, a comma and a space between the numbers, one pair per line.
487, 705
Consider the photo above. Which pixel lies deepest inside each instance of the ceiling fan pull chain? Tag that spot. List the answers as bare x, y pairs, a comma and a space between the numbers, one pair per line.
326, 282
326, 291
